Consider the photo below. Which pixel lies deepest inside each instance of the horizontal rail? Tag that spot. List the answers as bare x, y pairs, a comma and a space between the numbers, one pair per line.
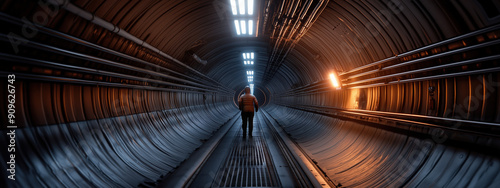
94, 83
184, 175
459, 63
441, 43
72, 39
440, 55
305, 165
406, 118
48, 64
68, 53
450, 75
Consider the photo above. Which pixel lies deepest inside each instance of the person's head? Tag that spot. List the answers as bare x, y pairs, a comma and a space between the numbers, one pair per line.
247, 90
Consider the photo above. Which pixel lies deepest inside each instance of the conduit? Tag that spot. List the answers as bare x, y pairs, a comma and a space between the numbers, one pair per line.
115, 29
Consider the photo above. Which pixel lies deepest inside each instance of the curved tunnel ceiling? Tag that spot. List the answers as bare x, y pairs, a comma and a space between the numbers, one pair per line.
347, 34
182, 27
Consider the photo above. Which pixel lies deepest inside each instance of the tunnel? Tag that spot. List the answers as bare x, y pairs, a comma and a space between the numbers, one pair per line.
351, 93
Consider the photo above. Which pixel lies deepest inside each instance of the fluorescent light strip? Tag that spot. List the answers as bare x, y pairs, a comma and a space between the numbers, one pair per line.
241, 4
233, 7
251, 55
250, 7
243, 27
237, 25
250, 27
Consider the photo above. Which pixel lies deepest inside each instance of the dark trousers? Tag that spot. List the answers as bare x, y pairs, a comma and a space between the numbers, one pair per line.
247, 116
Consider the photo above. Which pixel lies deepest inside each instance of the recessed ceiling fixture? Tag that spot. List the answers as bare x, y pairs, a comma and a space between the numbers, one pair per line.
237, 25
242, 11
248, 58
233, 7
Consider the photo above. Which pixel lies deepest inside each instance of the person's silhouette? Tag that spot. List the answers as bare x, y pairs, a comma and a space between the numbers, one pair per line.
246, 103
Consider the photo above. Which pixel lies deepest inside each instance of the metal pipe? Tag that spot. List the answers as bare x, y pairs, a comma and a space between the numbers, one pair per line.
266, 14
460, 50
78, 41
488, 58
277, 55
282, 31
461, 37
103, 61
115, 29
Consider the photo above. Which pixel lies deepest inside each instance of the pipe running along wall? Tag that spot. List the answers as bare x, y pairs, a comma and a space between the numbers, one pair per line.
101, 112
419, 104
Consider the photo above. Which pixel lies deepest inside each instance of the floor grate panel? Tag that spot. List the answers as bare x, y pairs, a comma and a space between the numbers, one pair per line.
248, 164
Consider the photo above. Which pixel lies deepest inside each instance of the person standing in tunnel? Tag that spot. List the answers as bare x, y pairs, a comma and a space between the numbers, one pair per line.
246, 104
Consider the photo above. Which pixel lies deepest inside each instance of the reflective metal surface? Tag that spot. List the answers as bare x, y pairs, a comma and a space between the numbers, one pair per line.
355, 155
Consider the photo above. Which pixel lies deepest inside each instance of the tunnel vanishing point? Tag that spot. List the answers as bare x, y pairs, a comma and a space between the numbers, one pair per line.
352, 93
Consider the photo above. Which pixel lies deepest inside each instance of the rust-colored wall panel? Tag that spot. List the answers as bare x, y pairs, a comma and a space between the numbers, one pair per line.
476, 97
36, 107
462, 89
88, 102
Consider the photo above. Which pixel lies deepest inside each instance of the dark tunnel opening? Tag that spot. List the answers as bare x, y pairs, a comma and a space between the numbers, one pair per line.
144, 93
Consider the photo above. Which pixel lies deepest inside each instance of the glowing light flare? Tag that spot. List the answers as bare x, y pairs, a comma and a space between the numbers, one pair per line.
335, 80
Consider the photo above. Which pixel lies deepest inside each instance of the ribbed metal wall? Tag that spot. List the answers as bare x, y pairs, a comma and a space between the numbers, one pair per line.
356, 155
83, 136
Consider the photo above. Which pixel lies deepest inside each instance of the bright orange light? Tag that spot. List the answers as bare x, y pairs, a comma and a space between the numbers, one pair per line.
335, 80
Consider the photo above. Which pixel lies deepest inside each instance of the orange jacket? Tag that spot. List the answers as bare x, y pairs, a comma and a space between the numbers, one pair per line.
247, 103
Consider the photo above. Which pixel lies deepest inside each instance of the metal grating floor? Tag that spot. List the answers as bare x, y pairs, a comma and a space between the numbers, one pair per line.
248, 164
